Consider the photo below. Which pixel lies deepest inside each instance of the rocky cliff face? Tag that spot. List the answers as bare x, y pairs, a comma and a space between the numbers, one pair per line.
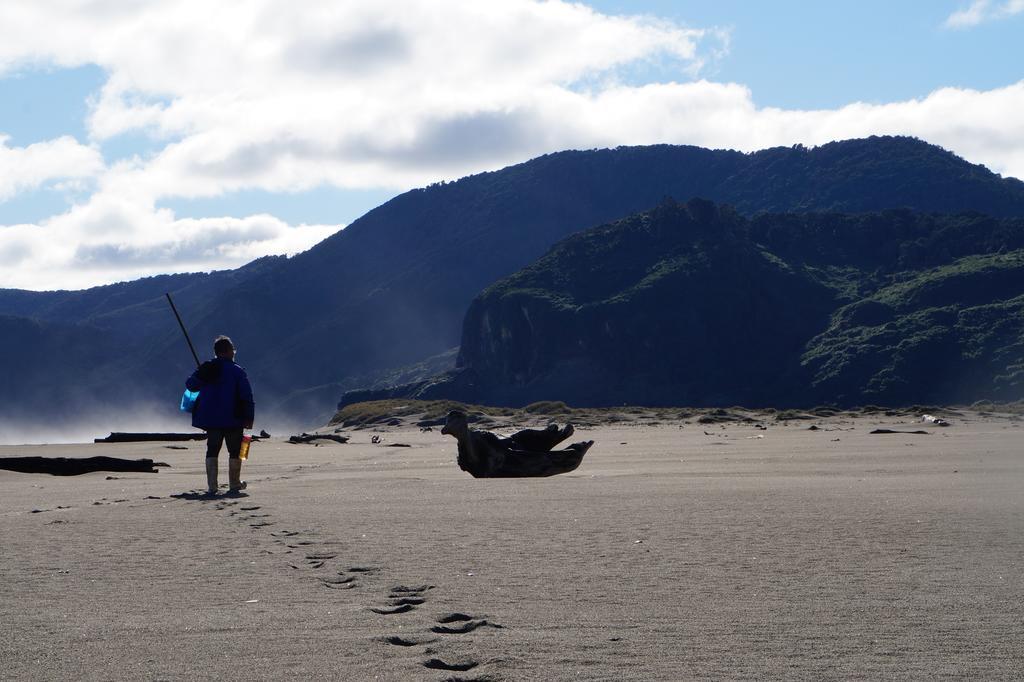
692, 304
672, 306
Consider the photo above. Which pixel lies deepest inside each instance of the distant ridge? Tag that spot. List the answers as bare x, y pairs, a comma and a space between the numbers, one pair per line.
391, 289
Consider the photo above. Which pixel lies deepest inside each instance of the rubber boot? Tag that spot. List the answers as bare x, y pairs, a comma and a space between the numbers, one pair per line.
234, 475
211, 475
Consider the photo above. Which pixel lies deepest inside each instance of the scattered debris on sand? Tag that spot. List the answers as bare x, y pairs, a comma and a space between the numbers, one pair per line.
383, 415
935, 421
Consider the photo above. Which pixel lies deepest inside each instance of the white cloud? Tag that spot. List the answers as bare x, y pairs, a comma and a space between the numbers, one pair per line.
119, 234
263, 95
111, 240
972, 15
981, 126
27, 168
981, 11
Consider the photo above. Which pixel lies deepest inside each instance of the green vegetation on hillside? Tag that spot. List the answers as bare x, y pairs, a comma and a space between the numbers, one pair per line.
951, 332
694, 304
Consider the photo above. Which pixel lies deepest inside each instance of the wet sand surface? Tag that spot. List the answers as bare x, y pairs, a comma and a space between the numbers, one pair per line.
676, 551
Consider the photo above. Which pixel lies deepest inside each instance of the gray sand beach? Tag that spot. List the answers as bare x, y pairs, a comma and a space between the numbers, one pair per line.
676, 551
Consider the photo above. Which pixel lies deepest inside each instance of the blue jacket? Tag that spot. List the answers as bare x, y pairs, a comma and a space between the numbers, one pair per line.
225, 396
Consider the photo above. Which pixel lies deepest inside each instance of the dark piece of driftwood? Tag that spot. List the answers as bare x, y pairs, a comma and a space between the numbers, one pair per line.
117, 437
67, 466
485, 455
914, 433
310, 437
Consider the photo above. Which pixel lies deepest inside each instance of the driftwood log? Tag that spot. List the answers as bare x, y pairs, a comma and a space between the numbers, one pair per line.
68, 466
117, 437
310, 437
526, 453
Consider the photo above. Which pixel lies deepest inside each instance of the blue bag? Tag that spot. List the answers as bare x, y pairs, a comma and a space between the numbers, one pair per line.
188, 400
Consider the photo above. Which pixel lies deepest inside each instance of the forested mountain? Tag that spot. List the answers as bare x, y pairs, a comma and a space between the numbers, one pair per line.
391, 290
694, 304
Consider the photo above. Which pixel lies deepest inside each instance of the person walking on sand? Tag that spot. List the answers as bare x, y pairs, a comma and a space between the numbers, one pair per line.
224, 409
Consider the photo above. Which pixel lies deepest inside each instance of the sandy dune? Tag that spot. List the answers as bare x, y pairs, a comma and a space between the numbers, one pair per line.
676, 551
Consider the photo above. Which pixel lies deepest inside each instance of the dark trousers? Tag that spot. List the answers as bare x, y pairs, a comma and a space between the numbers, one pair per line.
214, 438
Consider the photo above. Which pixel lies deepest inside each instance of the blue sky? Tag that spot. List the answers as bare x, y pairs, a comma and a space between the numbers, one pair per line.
166, 137
816, 55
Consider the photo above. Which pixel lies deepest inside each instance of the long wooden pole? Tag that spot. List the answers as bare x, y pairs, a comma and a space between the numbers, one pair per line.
183, 330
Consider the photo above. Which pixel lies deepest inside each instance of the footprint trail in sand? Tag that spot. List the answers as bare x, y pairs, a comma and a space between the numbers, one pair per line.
320, 562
